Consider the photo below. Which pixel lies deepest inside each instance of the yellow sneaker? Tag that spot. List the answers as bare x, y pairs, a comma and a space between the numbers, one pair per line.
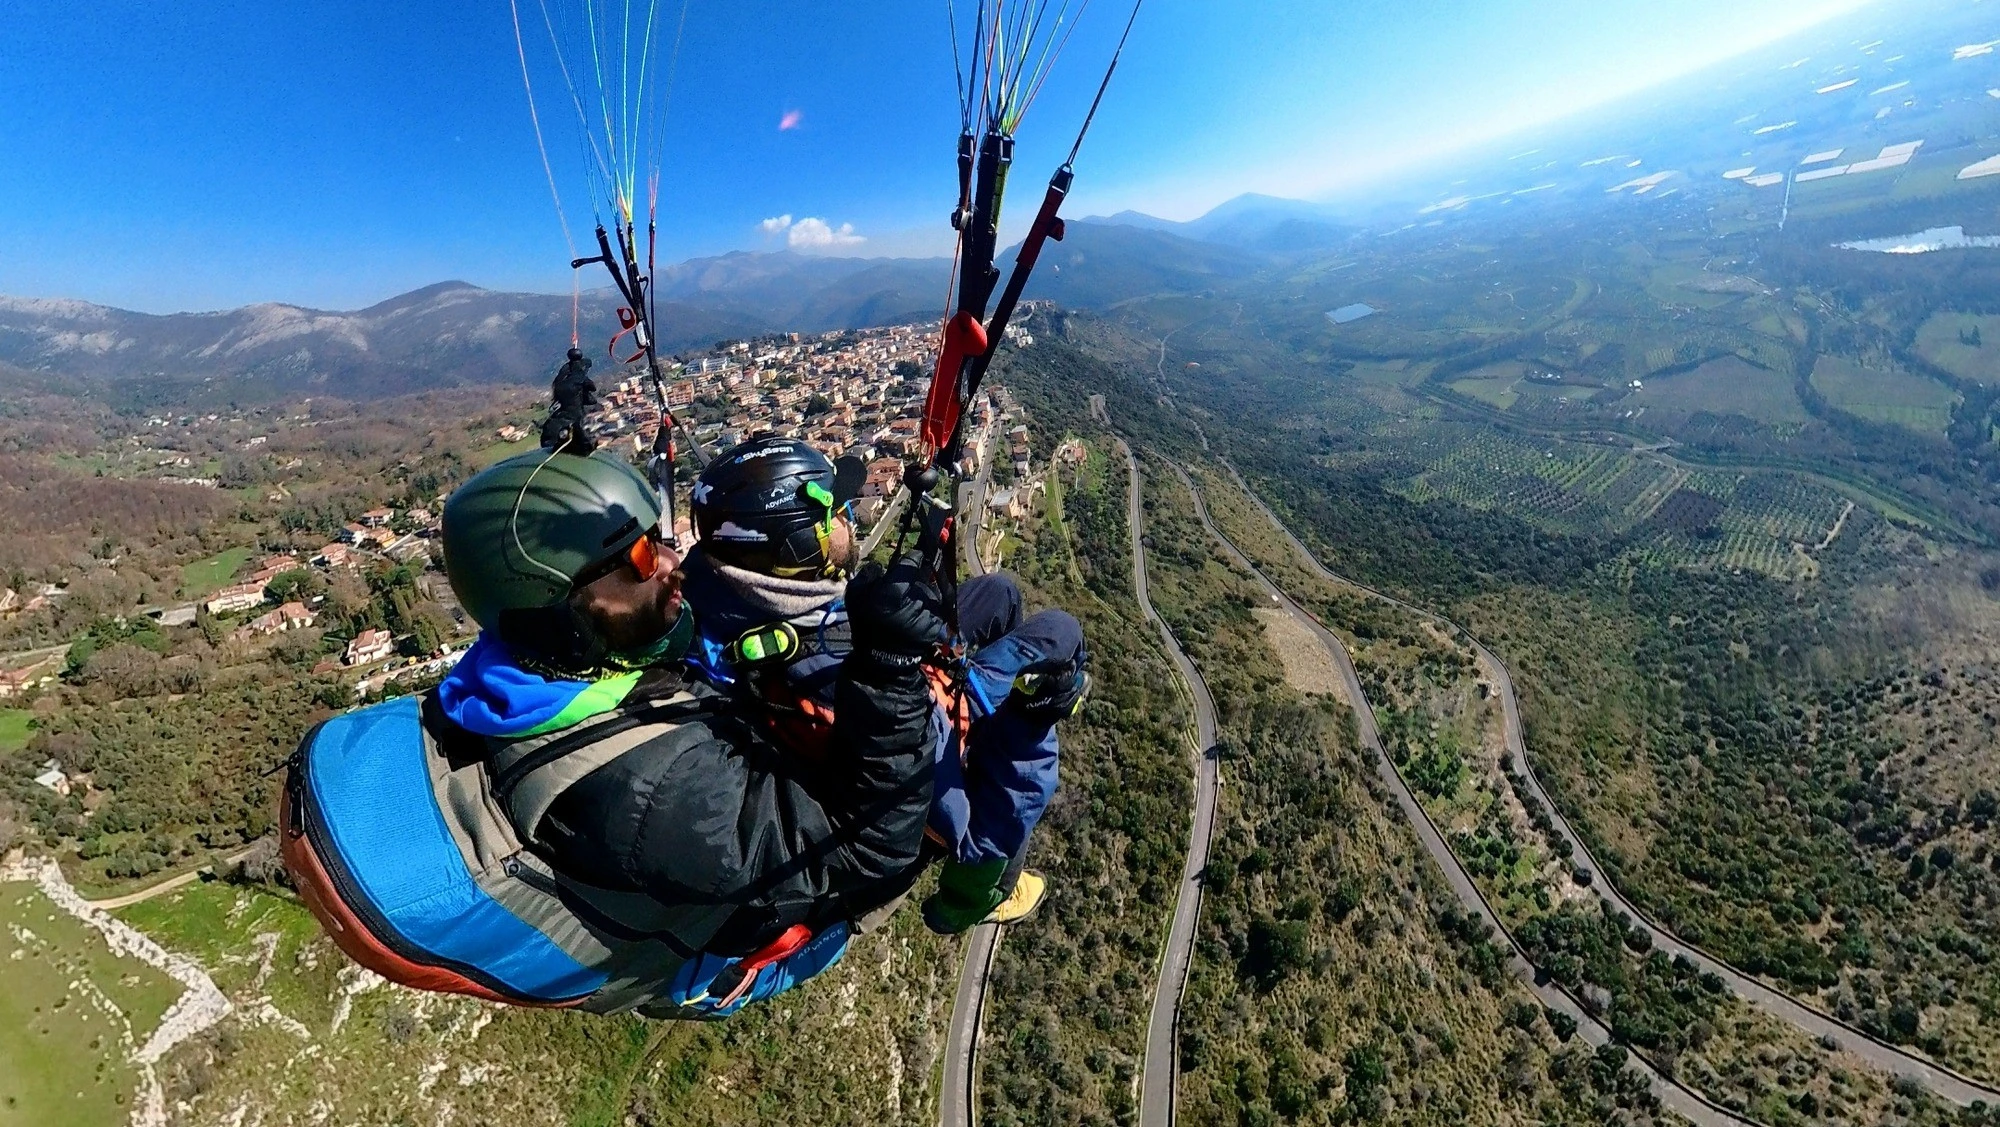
1026, 897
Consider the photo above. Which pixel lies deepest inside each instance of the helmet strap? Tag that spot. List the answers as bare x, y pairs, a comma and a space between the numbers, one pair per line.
553, 640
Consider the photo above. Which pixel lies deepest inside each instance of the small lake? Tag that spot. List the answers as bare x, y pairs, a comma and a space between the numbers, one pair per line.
1348, 313
1923, 242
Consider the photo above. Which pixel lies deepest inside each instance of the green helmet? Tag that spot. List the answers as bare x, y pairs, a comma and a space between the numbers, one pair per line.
517, 536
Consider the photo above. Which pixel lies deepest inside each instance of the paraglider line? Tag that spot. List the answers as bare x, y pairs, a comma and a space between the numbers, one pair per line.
958, 68
1104, 85
535, 117
1049, 60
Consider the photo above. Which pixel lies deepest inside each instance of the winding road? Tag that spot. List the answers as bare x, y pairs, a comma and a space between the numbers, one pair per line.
1161, 1071
1683, 1101
958, 1095
1942, 1081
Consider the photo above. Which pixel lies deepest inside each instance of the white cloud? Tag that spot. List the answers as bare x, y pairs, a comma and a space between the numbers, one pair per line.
817, 234
775, 224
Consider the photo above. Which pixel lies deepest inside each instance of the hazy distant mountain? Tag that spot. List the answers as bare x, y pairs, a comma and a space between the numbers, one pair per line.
807, 293
454, 333
447, 334
1137, 219
1885, 95
1099, 264
1264, 224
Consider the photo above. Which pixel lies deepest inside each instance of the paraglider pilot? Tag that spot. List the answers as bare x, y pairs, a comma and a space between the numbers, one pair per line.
574, 393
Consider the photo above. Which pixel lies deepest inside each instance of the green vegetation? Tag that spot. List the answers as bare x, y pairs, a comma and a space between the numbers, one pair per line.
858, 1045
1071, 991
16, 725
64, 1057
204, 576
493, 452
1335, 978
1956, 342
1885, 395
1500, 391
1729, 386
1442, 724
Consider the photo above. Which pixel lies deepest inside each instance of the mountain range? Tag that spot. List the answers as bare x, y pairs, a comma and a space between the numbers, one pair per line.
456, 334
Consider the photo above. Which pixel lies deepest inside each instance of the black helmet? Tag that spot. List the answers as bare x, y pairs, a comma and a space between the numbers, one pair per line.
767, 506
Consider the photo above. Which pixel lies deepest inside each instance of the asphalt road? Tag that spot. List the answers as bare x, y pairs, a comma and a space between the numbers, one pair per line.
1162, 1065
1946, 1083
1682, 1101
958, 1096
892, 515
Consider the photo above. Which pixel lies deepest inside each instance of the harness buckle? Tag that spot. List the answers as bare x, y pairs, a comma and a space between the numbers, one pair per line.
765, 646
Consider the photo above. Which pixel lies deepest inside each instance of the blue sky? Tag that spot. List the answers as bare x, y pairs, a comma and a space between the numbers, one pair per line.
204, 154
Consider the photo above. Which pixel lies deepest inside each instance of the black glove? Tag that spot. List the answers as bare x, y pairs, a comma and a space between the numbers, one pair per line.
895, 613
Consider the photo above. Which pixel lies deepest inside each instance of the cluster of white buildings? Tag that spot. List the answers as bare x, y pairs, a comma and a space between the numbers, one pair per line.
845, 392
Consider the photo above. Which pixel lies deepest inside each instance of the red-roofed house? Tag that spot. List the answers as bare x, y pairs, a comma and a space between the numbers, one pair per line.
242, 596
370, 645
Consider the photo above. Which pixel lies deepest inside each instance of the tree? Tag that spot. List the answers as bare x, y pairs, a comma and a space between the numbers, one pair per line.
297, 584
1276, 949
1562, 1025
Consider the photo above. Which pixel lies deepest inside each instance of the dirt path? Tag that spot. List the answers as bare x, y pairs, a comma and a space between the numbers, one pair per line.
200, 1005
1833, 533
113, 903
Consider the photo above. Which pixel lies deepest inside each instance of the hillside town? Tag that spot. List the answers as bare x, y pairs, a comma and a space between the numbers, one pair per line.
857, 392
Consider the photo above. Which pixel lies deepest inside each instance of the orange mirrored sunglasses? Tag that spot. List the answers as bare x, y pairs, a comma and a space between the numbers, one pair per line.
643, 557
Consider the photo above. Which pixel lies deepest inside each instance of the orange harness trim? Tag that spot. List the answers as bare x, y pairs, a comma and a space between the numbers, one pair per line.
351, 936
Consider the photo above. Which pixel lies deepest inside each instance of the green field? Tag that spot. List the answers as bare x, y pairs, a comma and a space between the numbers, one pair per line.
1885, 395
203, 576
63, 1059
487, 455
15, 724
1939, 341
216, 922
1500, 392
1729, 386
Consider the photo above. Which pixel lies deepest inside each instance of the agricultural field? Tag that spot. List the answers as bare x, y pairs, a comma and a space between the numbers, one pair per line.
1679, 283
1728, 386
486, 455
204, 576
1388, 372
1678, 516
1886, 395
76, 1009
1959, 343
1500, 391
1779, 323
1771, 523
1566, 487
15, 724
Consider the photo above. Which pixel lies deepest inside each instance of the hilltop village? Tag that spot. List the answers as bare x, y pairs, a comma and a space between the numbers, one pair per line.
848, 392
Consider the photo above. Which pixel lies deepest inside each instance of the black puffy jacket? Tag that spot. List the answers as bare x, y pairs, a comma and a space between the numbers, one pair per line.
712, 812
